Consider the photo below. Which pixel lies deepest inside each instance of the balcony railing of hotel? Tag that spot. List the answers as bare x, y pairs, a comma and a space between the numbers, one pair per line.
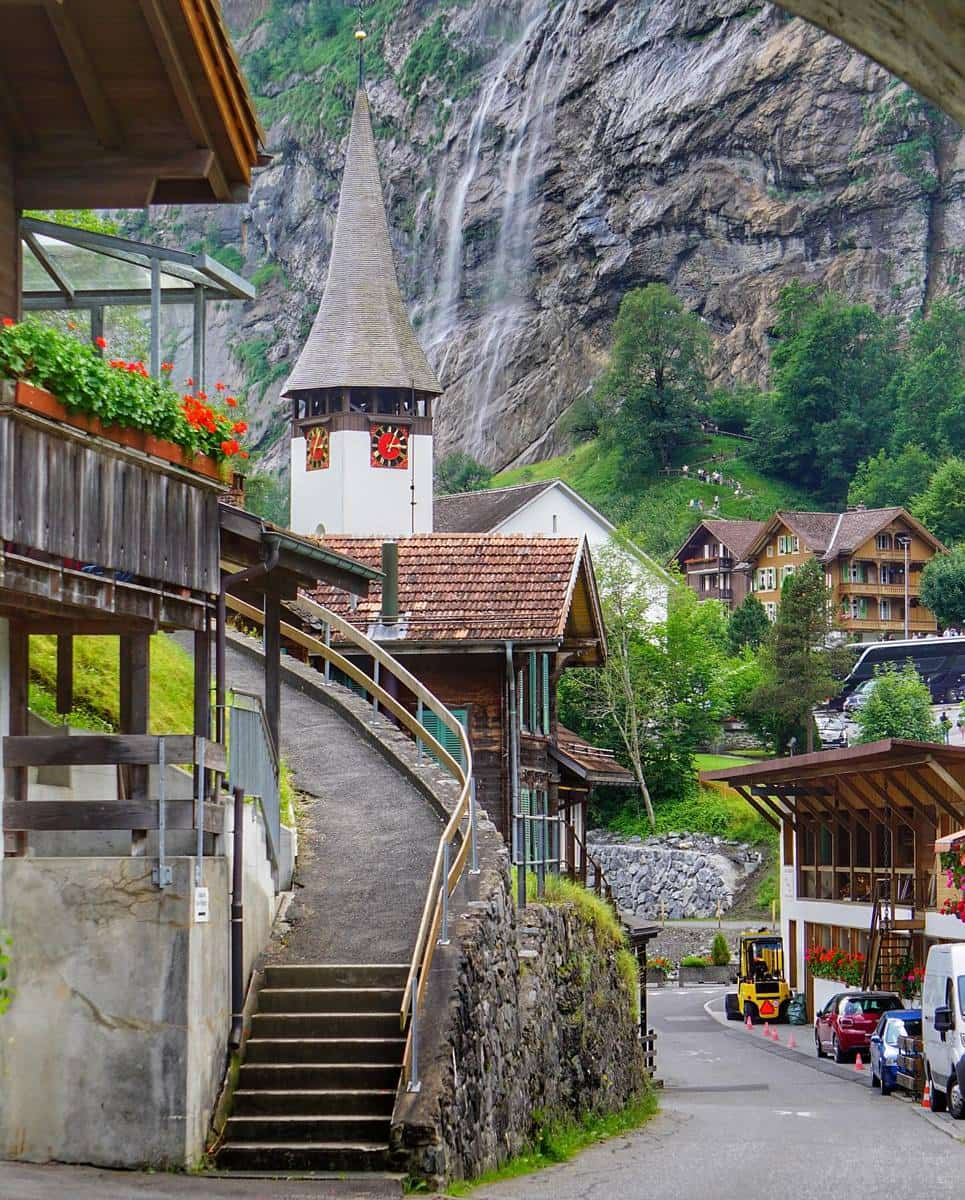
871, 588
722, 560
859, 885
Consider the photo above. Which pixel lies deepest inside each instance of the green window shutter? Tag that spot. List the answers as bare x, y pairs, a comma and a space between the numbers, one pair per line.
533, 695
443, 734
521, 699
546, 693
526, 809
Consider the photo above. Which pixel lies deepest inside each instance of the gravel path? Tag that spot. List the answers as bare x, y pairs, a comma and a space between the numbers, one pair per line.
367, 838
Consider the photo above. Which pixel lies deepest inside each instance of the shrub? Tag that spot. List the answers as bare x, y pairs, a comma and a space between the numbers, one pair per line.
720, 952
695, 960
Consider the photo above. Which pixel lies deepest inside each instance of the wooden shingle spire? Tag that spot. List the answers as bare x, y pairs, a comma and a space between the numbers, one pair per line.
362, 337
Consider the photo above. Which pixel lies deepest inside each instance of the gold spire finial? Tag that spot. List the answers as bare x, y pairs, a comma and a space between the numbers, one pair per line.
360, 36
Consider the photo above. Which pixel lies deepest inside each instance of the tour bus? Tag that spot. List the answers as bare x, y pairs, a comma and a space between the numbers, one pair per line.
940, 661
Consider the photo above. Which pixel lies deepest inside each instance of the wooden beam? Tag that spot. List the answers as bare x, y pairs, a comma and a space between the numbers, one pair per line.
135, 692
106, 749
780, 811
858, 815
65, 673
19, 671
761, 812
861, 784
916, 804
13, 115
922, 781
43, 815
949, 780
184, 91
98, 107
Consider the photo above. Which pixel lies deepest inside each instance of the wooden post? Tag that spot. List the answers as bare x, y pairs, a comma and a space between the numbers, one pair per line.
19, 697
135, 704
273, 666
65, 673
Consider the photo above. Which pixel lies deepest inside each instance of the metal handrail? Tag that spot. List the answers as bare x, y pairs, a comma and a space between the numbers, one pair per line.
448, 867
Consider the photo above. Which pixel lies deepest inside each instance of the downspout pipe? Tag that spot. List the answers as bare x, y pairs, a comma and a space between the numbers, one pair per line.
514, 779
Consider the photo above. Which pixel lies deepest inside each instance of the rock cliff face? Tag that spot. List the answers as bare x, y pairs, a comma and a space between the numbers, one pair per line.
541, 157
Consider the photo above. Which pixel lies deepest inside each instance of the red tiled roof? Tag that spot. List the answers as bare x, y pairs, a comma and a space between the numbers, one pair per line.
467, 587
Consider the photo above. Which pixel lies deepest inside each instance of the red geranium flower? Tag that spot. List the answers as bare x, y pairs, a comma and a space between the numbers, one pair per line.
243, 454
167, 366
101, 342
230, 446
219, 386
8, 321
240, 427
231, 402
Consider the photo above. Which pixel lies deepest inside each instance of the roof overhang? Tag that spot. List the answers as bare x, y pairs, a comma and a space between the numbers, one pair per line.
110, 103
916, 780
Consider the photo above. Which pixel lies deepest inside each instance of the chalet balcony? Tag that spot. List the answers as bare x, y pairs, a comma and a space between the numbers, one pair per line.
871, 588
716, 561
918, 623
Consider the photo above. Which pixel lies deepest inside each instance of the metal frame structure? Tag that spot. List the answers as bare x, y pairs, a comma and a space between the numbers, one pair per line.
203, 279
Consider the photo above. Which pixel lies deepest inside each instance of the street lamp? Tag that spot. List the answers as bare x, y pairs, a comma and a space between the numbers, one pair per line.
904, 541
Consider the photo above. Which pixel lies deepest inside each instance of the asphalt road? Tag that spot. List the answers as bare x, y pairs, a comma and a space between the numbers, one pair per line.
742, 1120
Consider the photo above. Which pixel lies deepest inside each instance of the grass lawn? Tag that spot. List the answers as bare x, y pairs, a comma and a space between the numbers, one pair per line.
719, 762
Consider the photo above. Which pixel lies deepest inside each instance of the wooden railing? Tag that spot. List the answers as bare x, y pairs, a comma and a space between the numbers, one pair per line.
454, 846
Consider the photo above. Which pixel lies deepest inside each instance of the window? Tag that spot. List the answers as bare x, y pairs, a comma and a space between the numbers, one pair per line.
771, 609
884, 610
556, 523
788, 544
446, 738
785, 572
533, 694
883, 541
770, 549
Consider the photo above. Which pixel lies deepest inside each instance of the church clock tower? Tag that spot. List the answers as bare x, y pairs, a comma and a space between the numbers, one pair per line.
362, 389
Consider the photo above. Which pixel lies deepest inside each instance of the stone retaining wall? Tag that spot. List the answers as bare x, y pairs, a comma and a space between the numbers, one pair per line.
526, 1017
673, 876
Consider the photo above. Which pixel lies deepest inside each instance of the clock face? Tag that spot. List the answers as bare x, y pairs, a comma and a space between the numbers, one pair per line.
389, 446
317, 449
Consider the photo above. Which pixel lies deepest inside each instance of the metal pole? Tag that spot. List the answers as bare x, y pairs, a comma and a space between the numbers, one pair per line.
155, 318
238, 921
905, 542
514, 778
414, 1085
444, 931
376, 673
473, 848
198, 343
199, 814
541, 857
162, 874
328, 643
418, 717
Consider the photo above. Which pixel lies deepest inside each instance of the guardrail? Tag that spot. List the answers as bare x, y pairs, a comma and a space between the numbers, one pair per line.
253, 762
451, 858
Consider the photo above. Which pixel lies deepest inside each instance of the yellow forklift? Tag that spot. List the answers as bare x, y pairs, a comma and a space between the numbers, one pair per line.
762, 991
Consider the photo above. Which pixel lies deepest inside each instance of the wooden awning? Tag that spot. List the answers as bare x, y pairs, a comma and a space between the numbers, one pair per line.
915, 780
117, 103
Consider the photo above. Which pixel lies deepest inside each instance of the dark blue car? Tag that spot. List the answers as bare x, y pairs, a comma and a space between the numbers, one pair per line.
883, 1050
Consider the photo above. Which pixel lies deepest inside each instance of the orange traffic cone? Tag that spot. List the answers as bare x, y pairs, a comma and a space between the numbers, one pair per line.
926, 1095
791, 1043
858, 1064
748, 1023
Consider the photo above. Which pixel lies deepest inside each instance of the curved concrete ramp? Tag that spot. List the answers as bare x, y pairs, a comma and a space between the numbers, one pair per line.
367, 840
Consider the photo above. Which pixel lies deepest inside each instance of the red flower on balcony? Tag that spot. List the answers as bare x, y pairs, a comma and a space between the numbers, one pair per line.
240, 427
230, 446
167, 366
219, 386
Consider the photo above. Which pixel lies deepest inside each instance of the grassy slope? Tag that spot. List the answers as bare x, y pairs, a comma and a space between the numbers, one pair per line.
655, 509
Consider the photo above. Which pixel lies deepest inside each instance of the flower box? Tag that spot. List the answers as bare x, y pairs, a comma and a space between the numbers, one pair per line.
39, 401
711, 974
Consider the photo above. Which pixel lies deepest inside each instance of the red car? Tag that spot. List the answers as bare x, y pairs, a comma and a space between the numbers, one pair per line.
845, 1024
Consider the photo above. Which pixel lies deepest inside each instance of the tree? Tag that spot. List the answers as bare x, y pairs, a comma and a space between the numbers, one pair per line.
887, 479
930, 384
657, 378
460, 472
748, 624
832, 371
898, 706
660, 695
941, 506
799, 669
943, 587
733, 409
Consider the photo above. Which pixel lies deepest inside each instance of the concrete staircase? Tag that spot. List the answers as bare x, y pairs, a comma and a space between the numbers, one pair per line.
320, 1072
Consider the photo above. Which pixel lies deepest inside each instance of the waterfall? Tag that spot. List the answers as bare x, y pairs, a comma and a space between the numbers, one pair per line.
528, 112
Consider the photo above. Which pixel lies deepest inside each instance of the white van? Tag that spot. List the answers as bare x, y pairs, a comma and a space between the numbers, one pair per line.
943, 1026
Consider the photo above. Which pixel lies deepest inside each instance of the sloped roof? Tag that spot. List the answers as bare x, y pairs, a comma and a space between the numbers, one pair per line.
362, 336
737, 536
482, 511
589, 762
478, 588
829, 534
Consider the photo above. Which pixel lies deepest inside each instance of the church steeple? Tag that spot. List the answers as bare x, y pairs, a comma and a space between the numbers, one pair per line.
362, 388
362, 337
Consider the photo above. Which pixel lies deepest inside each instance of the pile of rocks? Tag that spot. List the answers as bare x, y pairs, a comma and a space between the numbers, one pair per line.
672, 875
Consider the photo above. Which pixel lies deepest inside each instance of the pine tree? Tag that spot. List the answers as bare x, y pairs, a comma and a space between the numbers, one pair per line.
748, 625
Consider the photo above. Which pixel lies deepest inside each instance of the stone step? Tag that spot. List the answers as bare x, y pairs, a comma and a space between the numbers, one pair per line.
336, 975
330, 999
287, 1076
325, 1050
304, 1156
325, 1025
333, 1127
304, 1102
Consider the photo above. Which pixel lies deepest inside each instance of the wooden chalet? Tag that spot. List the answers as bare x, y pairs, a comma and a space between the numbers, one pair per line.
488, 623
859, 869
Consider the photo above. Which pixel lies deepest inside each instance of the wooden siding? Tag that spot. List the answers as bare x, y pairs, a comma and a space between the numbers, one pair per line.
75, 498
9, 239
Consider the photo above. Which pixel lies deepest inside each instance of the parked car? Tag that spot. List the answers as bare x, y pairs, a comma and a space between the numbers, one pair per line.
859, 697
833, 729
943, 1024
883, 1048
845, 1025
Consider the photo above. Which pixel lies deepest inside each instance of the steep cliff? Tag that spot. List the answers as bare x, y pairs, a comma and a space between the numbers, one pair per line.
541, 157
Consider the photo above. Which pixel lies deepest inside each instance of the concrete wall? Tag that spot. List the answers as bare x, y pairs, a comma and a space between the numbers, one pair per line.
4, 720
114, 1044
352, 497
